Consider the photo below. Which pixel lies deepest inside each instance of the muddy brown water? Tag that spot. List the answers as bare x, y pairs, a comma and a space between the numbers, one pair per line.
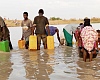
62, 63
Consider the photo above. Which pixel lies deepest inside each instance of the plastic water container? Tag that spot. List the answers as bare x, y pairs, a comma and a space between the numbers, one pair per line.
21, 44
4, 46
32, 42
50, 42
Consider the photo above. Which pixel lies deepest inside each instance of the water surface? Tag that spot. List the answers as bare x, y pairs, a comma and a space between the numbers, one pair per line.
62, 63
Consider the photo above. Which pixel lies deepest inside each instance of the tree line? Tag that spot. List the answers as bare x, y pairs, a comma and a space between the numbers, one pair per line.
93, 19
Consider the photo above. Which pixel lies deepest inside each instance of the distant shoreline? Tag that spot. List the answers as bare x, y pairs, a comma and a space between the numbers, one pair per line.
16, 23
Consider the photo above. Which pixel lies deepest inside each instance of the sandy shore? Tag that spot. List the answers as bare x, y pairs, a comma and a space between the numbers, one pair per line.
16, 23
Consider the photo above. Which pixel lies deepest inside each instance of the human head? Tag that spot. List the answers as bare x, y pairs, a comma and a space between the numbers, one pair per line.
25, 15
81, 24
41, 12
78, 28
86, 22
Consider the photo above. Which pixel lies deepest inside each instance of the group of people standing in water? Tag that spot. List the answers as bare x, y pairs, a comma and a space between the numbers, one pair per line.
86, 37
41, 28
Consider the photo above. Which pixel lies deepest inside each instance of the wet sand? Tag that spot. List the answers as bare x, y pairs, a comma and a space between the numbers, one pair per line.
62, 63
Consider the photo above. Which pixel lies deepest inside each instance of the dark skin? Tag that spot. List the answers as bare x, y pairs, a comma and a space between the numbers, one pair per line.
47, 28
90, 53
57, 31
25, 19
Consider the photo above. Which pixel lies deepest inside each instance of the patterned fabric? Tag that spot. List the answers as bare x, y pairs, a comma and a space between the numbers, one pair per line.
78, 37
89, 37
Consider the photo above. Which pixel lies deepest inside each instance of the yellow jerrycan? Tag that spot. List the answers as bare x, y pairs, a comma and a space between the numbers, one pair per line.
32, 42
50, 42
21, 44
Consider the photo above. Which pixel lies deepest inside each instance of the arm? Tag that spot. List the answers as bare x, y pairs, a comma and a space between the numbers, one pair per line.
22, 31
96, 40
58, 35
34, 25
48, 30
75, 36
47, 26
32, 28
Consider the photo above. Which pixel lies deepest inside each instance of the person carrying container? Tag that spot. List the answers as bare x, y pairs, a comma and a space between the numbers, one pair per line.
53, 31
41, 24
4, 33
26, 29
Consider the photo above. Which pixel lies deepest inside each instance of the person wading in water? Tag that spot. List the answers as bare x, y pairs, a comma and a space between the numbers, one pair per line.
4, 32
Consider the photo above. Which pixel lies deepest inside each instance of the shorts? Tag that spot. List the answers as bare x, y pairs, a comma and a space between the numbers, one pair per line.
43, 38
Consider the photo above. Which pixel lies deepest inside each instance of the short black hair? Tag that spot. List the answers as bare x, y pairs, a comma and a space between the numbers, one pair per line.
41, 11
81, 23
26, 13
87, 22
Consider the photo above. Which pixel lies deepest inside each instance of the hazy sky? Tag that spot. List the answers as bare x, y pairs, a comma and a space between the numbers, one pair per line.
59, 8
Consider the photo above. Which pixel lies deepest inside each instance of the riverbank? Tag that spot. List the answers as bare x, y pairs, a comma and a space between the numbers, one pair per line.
15, 23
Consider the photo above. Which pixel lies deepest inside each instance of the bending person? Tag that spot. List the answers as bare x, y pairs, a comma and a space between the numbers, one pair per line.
53, 31
4, 32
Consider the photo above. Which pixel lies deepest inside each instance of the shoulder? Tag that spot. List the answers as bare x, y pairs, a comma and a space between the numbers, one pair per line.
22, 22
45, 17
29, 20
36, 17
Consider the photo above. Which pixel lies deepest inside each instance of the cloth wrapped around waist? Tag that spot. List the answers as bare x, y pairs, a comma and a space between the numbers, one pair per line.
26, 32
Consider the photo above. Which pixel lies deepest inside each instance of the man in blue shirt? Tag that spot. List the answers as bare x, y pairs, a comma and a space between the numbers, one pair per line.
53, 31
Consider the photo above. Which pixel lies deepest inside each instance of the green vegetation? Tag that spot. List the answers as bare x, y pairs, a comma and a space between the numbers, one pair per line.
54, 18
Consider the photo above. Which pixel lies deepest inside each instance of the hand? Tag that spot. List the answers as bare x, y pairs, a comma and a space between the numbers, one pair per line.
22, 38
32, 33
62, 42
49, 35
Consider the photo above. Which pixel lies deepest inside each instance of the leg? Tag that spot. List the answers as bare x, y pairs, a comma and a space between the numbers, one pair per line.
80, 52
10, 44
91, 55
44, 39
27, 44
84, 55
38, 42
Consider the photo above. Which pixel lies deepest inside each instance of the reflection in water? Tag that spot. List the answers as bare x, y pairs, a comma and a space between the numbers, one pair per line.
5, 66
89, 70
62, 63
38, 67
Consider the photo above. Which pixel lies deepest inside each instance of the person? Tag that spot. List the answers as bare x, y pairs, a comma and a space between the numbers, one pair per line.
81, 25
26, 29
79, 39
4, 33
98, 38
89, 39
41, 24
53, 31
